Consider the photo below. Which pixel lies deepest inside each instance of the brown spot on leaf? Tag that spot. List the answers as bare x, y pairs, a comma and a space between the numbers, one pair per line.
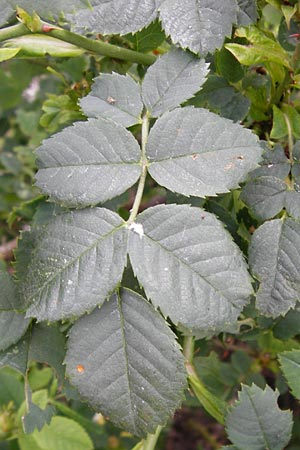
194, 156
240, 157
80, 368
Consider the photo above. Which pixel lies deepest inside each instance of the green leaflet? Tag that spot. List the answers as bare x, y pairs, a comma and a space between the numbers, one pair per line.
219, 96
199, 26
274, 260
255, 422
35, 416
116, 16
88, 163
290, 365
116, 97
265, 196
195, 152
78, 260
171, 80
138, 376
263, 49
61, 433
147, 39
8, 53
189, 267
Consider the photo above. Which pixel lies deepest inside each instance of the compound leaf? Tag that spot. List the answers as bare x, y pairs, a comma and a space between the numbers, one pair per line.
200, 25
79, 258
116, 16
290, 365
274, 260
171, 80
265, 196
88, 163
195, 152
255, 422
189, 267
130, 366
116, 97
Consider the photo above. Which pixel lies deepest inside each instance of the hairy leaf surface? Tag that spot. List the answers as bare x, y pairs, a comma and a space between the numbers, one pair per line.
255, 422
88, 163
116, 97
126, 362
290, 365
117, 16
78, 259
189, 267
195, 152
200, 25
172, 79
274, 260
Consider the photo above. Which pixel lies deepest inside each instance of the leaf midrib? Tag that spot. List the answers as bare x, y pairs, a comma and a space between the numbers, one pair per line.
124, 342
121, 163
192, 153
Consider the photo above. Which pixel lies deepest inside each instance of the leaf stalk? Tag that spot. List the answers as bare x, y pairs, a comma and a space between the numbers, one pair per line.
144, 162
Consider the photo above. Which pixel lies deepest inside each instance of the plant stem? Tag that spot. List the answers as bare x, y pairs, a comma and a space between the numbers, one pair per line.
144, 162
91, 45
290, 136
14, 31
151, 439
86, 423
188, 348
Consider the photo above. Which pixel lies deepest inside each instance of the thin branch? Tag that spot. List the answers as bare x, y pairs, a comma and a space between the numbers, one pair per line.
91, 45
